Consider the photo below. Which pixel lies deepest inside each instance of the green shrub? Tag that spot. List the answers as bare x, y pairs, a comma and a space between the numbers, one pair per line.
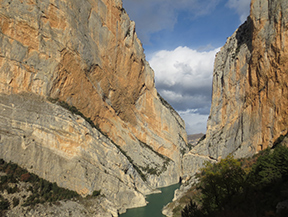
191, 209
12, 190
96, 193
42, 190
4, 204
15, 201
3, 179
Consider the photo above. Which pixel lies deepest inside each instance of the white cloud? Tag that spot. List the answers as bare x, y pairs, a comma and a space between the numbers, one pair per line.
184, 78
183, 66
241, 6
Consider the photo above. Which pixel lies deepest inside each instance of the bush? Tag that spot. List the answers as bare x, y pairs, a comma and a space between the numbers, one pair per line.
191, 210
12, 190
3, 179
4, 204
271, 166
41, 189
15, 201
96, 193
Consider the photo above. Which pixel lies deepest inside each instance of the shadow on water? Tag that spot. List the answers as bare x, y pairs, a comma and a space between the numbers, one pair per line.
155, 205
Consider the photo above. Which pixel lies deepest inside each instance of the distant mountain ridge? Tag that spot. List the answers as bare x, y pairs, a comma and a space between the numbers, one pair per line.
194, 137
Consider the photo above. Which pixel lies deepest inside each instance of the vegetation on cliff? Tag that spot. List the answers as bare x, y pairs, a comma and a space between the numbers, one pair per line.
14, 179
242, 187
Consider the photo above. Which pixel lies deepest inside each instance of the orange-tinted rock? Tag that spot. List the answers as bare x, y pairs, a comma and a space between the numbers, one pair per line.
87, 54
249, 108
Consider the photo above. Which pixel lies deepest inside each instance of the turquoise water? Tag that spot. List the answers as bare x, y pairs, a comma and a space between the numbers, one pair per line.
155, 205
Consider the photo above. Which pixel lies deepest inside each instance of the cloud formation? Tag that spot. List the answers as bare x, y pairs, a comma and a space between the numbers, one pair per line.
241, 6
195, 123
184, 78
155, 15
184, 75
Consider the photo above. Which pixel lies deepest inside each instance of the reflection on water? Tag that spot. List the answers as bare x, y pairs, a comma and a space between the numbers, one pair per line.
155, 205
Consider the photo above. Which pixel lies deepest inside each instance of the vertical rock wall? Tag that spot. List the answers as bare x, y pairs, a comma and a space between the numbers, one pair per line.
249, 108
86, 53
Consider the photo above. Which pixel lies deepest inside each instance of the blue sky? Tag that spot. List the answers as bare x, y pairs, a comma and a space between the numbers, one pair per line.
180, 39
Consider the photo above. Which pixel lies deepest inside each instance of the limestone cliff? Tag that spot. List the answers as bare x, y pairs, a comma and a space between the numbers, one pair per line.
250, 86
84, 53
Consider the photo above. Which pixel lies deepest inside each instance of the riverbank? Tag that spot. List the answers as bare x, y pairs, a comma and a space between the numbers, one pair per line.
156, 202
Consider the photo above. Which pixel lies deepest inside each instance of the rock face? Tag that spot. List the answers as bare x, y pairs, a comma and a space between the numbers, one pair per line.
86, 54
250, 86
61, 147
249, 108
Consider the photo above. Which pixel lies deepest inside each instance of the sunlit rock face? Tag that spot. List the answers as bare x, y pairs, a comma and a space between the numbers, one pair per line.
85, 53
250, 86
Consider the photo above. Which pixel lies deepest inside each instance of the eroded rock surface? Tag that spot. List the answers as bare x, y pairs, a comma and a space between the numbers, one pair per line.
62, 147
87, 54
249, 103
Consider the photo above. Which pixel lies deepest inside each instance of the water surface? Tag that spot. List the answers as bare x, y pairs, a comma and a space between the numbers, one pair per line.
155, 205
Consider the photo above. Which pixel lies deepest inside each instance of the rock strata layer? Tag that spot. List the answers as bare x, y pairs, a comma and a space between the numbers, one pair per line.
250, 86
86, 54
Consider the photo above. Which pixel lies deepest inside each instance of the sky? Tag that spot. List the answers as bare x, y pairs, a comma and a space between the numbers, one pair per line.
180, 39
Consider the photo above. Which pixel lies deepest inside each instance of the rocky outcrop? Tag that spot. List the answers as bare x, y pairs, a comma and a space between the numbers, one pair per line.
86, 54
62, 147
182, 197
250, 86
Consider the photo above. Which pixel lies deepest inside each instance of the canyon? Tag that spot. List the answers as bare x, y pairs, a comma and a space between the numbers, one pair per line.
79, 107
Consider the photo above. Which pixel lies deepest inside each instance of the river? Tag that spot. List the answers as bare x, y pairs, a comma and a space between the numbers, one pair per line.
155, 205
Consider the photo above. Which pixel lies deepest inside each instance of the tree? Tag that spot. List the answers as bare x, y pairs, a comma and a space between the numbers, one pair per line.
220, 184
271, 167
191, 210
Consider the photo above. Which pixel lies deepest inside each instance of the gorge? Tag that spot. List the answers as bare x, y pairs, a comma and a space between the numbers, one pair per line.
79, 107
